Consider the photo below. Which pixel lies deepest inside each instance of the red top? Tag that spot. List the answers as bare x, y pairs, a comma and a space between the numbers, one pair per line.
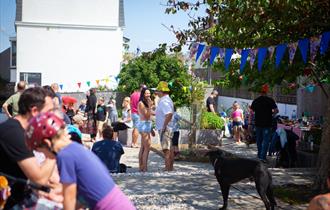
134, 102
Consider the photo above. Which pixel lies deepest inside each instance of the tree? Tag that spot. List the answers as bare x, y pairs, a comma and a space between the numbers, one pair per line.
152, 67
254, 24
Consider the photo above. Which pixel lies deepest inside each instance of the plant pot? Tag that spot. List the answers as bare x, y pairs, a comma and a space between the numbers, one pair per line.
209, 137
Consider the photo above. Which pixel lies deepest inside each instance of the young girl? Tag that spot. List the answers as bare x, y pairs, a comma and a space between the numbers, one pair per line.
238, 121
144, 127
101, 116
81, 172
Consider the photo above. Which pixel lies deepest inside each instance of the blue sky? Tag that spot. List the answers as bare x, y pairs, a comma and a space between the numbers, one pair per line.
143, 18
7, 18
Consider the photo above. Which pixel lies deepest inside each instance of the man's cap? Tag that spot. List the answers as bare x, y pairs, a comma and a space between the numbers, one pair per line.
163, 87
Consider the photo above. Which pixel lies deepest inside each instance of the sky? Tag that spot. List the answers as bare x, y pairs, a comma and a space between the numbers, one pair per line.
143, 20
7, 18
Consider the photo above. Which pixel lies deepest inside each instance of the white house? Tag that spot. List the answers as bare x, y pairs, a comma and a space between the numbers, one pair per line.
68, 41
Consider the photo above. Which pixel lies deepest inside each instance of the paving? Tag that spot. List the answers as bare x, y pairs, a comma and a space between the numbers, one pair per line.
193, 185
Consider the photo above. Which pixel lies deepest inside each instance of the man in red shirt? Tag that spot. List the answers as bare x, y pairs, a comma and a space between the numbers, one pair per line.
135, 96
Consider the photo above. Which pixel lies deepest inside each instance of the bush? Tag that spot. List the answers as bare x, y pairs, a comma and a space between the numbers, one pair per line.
211, 120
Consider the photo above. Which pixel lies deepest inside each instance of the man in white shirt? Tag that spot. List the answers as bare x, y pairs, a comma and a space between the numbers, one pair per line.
164, 112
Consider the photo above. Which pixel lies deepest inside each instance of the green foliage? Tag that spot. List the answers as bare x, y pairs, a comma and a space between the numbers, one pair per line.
152, 67
210, 120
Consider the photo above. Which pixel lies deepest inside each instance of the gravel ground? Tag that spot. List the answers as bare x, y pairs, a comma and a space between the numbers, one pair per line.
192, 185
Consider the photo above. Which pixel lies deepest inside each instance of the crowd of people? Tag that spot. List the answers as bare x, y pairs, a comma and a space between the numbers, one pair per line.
42, 140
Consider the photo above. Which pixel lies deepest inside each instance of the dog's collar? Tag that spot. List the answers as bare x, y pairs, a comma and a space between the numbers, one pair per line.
215, 162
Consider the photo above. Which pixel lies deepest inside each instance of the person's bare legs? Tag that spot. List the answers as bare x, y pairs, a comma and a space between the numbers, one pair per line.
171, 159
146, 142
236, 134
140, 156
135, 136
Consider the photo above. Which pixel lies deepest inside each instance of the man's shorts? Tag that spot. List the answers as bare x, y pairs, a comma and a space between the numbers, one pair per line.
136, 120
165, 139
144, 126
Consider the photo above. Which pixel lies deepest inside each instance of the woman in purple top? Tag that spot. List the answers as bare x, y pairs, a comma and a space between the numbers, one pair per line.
81, 172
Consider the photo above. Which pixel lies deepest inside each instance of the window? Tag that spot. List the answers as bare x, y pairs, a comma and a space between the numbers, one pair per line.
30, 78
13, 54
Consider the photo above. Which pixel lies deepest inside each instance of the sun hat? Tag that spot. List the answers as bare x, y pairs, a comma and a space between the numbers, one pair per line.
163, 87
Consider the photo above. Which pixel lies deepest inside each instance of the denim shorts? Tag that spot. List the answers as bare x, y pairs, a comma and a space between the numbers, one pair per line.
144, 126
237, 123
136, 120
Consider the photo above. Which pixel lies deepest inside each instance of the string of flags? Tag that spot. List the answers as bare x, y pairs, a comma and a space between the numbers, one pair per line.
313, 45
88, 83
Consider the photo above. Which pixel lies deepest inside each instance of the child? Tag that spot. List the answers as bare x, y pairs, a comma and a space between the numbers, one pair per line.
101, 116
238, 122
81, 172
174, 126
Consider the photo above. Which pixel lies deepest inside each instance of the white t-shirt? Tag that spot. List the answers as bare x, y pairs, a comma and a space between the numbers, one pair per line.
165, 106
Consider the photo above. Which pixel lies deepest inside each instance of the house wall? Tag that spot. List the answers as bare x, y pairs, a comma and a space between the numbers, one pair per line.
69, 41
77, 12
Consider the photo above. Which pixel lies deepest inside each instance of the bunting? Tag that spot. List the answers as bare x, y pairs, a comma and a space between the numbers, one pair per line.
303, 46
324, 42
193, 50
88, 83
222, 53
61, 86
271, 51
292, 51
206, 54
280, 50
253, 54
79, 84
244, 55
199, 51
261, 57
214, 53
314, 46
97, 81
229, 53
211, 52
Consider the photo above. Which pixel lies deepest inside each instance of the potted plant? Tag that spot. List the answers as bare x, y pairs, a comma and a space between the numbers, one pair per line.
211, 129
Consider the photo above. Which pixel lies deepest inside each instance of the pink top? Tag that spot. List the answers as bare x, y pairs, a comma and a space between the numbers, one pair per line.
237, 113
134, 102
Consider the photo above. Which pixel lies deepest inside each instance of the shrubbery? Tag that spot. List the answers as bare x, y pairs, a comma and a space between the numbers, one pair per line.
211, 120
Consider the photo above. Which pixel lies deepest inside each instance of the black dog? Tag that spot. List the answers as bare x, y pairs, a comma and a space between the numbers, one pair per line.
230, 169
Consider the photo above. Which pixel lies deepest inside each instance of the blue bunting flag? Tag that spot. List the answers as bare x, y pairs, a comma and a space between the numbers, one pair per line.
303, 46
324, 42
229, 52
261, 57
244, 55
280, 50
199, 51
214, 53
